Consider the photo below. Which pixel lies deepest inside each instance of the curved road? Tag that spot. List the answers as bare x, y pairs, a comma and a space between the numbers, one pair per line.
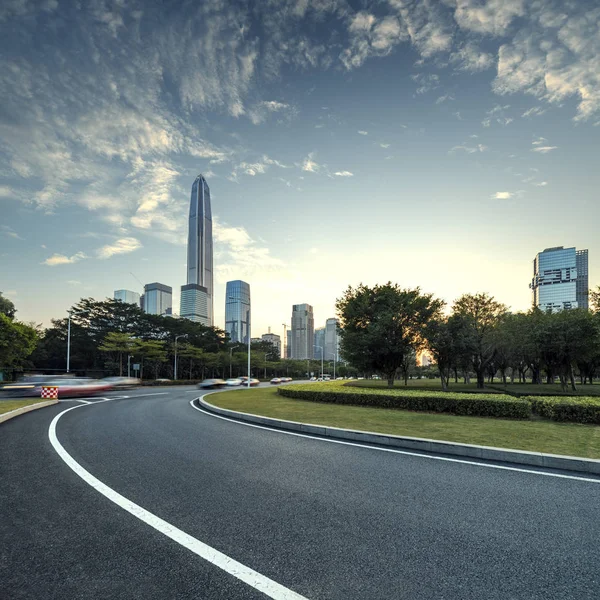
314, 519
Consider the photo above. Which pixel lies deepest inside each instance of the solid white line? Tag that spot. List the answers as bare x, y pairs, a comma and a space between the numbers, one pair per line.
267, 586
395, 451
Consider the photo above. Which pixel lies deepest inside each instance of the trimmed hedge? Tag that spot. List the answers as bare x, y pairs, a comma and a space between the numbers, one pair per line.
576, 409
482, 405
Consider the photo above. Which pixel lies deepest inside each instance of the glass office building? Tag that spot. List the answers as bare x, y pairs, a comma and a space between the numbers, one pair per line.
560, 279
319, 342
303, 331
197, 294
127, 296
332, 339
158, 299
237, 311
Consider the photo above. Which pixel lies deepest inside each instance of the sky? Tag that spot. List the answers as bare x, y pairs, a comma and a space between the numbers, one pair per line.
432, 143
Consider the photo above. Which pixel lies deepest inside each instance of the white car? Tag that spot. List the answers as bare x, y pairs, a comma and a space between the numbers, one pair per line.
234, 381
276, 380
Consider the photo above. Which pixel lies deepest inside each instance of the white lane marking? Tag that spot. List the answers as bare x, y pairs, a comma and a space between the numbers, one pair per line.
75, 400
395, 451
263, 584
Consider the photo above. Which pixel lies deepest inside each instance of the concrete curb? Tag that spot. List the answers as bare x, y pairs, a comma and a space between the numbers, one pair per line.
520, 457
25, 409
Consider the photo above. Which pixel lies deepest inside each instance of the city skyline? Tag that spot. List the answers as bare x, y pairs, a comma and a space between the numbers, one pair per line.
427, 144
238, 310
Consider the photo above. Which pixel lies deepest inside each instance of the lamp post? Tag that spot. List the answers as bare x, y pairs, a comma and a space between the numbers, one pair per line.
175, 366
70, 312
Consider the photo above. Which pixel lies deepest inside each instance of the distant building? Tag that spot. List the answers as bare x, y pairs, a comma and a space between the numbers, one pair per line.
274, 339
158, 299
319, 342
560, 279
143, 302
332, 340
303, 331
237, 311
256, 340
127, 296
197, 295
288, 343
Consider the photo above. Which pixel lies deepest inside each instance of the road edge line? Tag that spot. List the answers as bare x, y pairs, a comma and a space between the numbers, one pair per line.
25, 409
504, 455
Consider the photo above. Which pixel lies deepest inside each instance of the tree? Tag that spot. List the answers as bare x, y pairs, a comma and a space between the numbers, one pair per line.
7, 307
153, 352
380, 326
594, 299
17, 341
482, 314
118, 343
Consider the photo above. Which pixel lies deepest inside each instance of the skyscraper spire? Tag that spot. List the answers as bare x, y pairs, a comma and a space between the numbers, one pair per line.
197, 295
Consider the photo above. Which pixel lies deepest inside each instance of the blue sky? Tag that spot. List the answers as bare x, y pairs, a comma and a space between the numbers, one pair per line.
432, 143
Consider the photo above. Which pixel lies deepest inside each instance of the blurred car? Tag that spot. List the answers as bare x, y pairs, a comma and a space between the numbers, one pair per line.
276, 380
233, 381
26, 387
163, 380
212, 384
122, 383
285, 379
339, 378
313, 379
77, 387
254, 382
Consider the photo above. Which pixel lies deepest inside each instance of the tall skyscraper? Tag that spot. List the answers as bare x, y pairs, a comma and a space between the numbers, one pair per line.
319, 342
127, 296
274, 339
288, 344
560, 279
158, 299
332, 340
197, 294
303, 331
237, 310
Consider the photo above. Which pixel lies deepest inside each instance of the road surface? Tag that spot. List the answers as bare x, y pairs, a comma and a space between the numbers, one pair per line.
228, 511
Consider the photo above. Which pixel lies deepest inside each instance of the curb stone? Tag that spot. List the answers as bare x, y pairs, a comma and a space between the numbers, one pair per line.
520, 457
25, 409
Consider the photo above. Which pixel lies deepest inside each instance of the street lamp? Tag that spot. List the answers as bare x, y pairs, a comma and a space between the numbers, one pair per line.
175, 367
70, 312
249, 339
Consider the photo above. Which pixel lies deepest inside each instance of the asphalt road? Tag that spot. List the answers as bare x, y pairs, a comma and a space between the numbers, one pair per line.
326, 520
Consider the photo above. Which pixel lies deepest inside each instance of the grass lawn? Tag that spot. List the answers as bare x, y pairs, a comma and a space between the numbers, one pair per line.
8, 405
522, 389
535, 435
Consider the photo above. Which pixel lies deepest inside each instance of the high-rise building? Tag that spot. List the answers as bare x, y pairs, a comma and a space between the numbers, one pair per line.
303, 331
158, 299
274, 339
332, 340
319, 342
237, 311
560, 279
288, 343
197, 294
127, 296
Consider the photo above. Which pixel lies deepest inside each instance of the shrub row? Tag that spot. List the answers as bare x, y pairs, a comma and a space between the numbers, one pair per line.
482, 405
576, 409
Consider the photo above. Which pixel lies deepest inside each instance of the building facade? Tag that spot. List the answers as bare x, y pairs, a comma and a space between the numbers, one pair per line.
303, 331
127, 296
274, 339
560, 279
288, 343
319, 342
332, 340
197, 294
237, 311
158, 299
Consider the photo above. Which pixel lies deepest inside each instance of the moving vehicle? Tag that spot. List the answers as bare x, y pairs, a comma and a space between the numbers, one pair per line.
233, 381
253, 382
26, 387
77, 387
212, 384
122, 383
276, 380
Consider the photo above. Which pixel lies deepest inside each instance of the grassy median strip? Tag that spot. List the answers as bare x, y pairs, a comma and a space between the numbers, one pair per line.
8, 405
535, 435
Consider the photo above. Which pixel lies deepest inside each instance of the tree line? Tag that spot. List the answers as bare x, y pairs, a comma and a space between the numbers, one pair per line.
383, 328
108, 335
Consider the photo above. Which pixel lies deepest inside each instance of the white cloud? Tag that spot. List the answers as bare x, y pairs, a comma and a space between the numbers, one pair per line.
468, 149
444, 98
544, 149
502, 195
120, 246
492, 17
6, 192
61, 259
9, 232
260, 111
308, 164
427, 82
497, 114
362, 132
471, 59
541, 183
384, 145
343, 174
534, 111
74, 282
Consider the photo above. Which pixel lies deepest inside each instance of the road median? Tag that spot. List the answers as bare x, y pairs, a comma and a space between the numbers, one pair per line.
9, 409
